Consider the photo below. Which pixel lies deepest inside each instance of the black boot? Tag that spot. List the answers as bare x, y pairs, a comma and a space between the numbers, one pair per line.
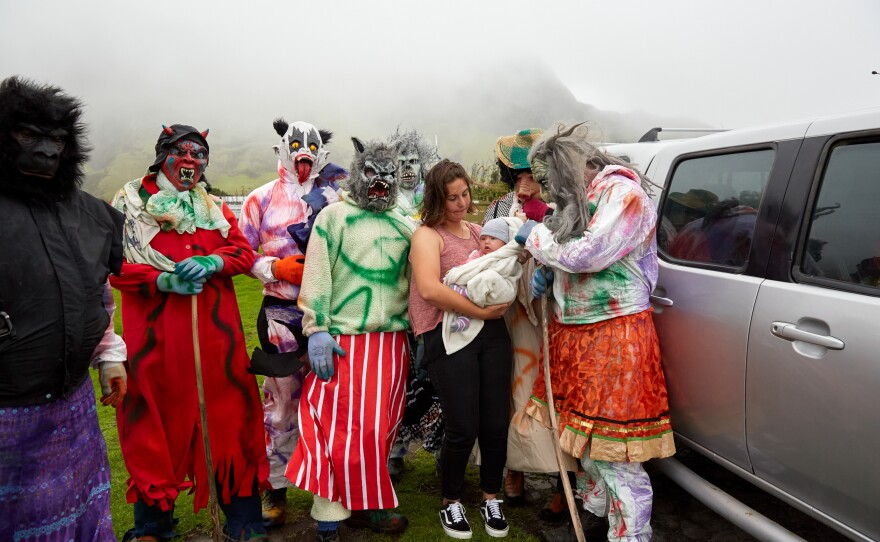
243, 518
151, 521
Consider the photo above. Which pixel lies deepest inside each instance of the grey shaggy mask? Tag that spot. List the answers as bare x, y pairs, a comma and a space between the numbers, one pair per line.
373, 184
414, 159
559, 162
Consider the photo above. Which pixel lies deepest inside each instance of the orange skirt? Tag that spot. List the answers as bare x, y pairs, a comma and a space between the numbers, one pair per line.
609, 390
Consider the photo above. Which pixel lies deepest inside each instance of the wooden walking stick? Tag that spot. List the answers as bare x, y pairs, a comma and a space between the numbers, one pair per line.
203, 415
563, 472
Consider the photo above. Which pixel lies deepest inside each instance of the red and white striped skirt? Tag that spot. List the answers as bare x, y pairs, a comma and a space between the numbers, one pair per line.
348, 424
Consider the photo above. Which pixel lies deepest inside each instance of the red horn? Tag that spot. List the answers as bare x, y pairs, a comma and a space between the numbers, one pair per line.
167, 130
205, 133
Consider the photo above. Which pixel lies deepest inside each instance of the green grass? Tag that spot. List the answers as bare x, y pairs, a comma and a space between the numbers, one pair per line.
418, 492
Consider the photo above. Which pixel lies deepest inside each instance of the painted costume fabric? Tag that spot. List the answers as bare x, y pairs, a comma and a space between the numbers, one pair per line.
159, 418
609, 385
611, 270
529, 444
409, 202
620, 491
266, 215
356, 287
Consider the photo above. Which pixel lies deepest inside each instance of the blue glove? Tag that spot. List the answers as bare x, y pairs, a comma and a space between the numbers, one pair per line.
196, 267
172, 284
321, 349
524, 232
542, 280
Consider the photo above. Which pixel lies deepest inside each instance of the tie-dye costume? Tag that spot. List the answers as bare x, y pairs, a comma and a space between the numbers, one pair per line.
356, 287
159, 418
266, 215
529, 444
610, 392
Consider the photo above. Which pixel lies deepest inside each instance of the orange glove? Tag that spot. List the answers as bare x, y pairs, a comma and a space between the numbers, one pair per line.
290, 269
113, 383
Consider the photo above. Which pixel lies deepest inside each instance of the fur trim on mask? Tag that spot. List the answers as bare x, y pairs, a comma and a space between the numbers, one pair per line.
24, 101
409, 141
378, 156
565, 151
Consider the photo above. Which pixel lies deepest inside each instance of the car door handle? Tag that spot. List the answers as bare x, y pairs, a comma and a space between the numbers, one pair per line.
790, 332
662, 301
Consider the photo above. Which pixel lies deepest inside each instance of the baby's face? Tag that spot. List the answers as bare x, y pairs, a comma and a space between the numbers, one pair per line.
490, 244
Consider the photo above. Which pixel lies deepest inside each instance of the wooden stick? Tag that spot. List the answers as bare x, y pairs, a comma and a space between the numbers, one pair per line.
563, 473
203, 414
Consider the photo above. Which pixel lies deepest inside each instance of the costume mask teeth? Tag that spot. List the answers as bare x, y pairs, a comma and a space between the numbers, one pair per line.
378, 189
187, 175
374, 183
409, 168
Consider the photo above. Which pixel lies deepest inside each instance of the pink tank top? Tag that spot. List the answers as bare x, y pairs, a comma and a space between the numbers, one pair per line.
422, 315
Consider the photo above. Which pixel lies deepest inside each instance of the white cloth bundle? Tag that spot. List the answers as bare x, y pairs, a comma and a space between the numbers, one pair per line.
491, 279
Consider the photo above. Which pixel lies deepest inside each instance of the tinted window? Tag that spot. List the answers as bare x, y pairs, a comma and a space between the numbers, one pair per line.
711, 206
844, 233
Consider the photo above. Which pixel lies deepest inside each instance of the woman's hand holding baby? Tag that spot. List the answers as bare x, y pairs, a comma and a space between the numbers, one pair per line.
491, 312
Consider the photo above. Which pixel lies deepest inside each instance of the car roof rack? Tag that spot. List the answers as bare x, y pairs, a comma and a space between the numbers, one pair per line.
653, 133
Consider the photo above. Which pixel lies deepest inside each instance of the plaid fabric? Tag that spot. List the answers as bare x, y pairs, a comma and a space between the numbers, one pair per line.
513, 150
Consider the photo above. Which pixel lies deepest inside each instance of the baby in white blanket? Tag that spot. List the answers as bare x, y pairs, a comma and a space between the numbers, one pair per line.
488, 277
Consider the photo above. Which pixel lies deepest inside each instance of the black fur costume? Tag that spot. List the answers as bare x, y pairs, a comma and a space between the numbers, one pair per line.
22, 101
58, 245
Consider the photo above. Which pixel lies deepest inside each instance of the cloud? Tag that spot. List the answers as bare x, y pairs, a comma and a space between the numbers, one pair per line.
467, 71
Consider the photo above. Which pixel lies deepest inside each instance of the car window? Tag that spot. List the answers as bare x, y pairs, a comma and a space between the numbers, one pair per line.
843, 243
711, 206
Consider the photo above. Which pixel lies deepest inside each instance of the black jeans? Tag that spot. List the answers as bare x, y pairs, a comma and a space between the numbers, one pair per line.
473, 385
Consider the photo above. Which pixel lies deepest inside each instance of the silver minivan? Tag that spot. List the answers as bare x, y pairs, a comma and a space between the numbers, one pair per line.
768, 307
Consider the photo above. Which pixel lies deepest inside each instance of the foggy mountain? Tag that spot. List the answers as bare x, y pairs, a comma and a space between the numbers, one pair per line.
465, 117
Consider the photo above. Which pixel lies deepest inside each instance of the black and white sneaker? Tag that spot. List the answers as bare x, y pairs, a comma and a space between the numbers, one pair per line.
496, 524
454, 522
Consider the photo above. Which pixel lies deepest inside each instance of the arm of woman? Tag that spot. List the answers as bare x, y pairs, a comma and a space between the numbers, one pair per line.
424, 256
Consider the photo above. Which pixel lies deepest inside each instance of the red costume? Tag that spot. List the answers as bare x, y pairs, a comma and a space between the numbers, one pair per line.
159, 419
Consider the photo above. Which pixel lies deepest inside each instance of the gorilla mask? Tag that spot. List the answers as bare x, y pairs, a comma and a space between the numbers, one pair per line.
42, 143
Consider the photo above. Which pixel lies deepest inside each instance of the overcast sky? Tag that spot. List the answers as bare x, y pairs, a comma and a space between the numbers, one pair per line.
727, 64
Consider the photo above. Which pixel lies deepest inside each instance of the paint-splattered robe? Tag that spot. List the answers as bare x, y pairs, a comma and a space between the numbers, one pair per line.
159, 426
610, 392
266, 215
